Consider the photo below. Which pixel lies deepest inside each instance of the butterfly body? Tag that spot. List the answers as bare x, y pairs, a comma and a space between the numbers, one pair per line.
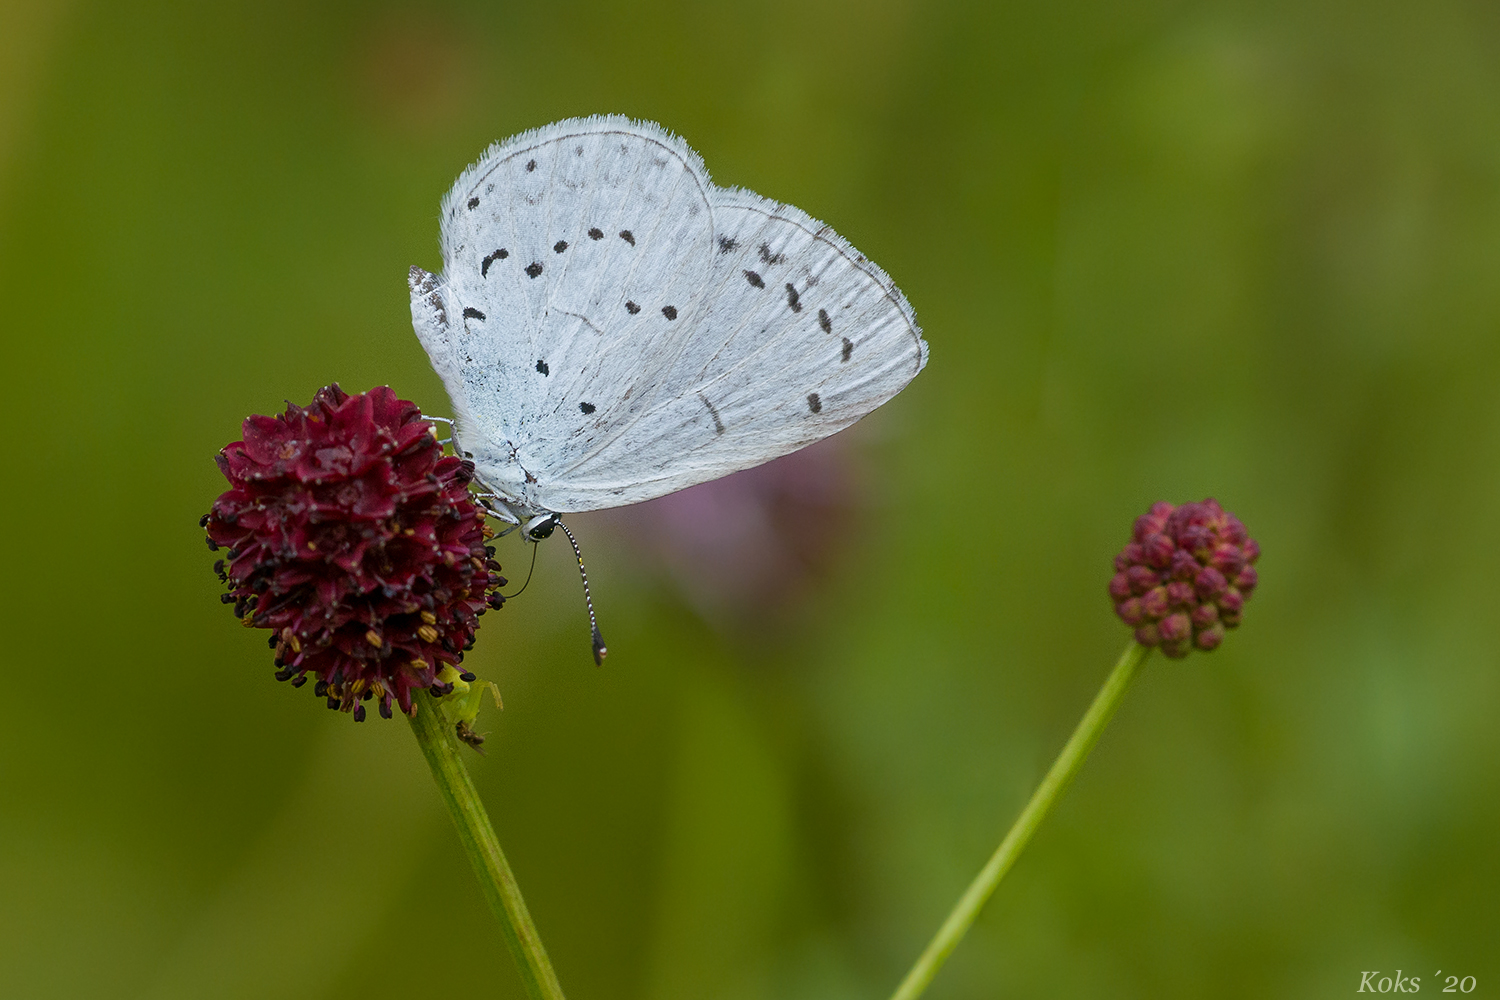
611, 326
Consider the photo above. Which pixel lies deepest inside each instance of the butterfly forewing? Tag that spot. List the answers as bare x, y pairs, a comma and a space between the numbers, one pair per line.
564, 249
644, 330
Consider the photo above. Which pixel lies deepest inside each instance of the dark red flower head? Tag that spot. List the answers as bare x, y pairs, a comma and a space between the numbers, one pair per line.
356, 542
1185, 576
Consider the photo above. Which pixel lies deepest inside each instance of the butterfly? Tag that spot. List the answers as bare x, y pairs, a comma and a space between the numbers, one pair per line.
611, 326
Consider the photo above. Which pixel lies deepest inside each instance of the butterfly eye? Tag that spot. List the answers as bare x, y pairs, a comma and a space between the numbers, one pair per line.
540, 527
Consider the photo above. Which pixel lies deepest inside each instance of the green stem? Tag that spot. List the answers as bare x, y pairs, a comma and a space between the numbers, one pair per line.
440, 746
1058, 778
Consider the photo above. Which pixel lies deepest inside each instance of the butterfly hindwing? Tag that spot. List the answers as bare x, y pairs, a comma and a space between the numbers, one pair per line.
799, 337
613, 327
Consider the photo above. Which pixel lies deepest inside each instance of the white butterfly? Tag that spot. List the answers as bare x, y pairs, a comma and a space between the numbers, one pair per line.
611, 326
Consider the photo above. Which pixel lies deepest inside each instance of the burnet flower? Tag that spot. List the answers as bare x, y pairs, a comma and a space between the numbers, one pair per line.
356, 542
1185, 576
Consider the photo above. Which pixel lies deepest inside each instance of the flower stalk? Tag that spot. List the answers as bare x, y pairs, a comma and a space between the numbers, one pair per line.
1063, 770
440, 747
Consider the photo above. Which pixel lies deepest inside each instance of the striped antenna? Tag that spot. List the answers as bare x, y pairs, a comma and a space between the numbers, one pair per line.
598, 640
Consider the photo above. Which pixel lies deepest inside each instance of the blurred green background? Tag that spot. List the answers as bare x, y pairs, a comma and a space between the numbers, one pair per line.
1161, 250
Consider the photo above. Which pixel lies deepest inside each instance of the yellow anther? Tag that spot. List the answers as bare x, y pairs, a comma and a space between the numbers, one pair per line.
428, 633
429, 617
373, 638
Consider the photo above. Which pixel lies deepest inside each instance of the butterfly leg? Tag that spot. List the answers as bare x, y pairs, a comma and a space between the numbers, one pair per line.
442, 420
496, 507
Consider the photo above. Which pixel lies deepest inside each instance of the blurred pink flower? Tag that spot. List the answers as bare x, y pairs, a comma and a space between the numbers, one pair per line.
745, 546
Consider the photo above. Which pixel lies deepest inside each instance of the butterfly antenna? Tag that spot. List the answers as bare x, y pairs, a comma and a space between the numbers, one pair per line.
518, 593
599, 649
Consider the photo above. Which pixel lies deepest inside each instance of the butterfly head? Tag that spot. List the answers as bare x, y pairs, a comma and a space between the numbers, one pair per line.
539, 527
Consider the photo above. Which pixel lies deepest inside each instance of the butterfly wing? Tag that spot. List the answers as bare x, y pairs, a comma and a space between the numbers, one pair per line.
612, 327
798, 336
572, 257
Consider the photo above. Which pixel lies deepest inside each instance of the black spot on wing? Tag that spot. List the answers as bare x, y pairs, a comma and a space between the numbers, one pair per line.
559, 246
727, 244
848, 349
754, 279
814, 403
769, 257
473, 204
541, 366
792, 299
533, 269
626, 235
530, 166
824, 321
596, 234
587, 408
471, 313
484, 267
631, 307
718, 424
669, 311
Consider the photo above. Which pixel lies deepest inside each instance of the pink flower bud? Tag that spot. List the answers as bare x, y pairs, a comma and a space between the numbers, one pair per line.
1234, 532
1209, 638
1142, 578
1158, 550
1227, 559
1184, 566
1180, 594
1195, 538
1183, 579
1153, 521
1176, 627
1210, 583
